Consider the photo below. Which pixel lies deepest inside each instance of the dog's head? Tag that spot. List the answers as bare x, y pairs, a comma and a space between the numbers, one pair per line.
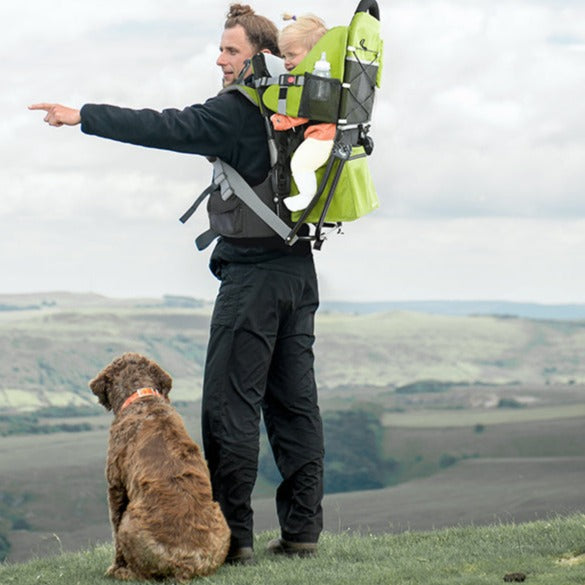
124, 376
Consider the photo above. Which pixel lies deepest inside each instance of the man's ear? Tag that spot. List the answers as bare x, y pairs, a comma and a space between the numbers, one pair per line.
266, 51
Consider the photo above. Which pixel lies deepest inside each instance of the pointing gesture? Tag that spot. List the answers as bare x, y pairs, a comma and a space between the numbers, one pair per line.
58, 115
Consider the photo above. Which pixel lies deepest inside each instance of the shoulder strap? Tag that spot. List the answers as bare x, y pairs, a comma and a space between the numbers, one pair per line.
231, 182
246, 90
208, 191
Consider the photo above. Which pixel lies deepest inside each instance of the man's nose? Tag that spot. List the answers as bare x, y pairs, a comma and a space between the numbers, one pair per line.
221, 59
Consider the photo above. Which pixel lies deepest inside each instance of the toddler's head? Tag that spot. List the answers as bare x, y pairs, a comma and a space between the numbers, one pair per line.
298, 38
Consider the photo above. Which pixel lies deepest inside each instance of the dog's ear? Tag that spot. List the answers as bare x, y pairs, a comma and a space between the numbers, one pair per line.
162, 380
99, 386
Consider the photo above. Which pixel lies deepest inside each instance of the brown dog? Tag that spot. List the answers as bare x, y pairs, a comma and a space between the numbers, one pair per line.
164, 521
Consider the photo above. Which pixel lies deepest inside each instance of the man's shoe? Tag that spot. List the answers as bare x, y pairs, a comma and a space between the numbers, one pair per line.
243, 555
279, 546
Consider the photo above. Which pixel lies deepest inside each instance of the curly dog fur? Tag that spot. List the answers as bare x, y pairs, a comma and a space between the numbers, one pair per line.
165, 523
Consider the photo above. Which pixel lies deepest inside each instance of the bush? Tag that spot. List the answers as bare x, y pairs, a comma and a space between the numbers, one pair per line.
446, 460
27, 424
509, 403
352, 453
12, 517
4, 547
425, 386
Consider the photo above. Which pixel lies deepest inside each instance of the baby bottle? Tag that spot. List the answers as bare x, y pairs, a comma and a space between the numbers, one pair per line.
322, 89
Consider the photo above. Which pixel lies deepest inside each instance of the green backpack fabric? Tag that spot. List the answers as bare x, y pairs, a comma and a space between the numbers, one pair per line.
354, 195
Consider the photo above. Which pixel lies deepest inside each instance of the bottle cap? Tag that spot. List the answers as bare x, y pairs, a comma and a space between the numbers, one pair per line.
323, 64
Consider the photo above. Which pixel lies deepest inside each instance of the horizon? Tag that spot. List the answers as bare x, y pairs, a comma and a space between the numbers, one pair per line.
324, 300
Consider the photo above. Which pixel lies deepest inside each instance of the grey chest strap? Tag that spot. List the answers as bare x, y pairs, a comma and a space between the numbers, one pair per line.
230, 183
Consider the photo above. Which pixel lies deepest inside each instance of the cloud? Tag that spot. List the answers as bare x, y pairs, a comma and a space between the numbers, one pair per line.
482, 110
465, 258
479, 133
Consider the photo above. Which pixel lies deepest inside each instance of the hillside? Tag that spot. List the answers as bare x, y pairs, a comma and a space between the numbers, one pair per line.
567, 311
52, 344
402, 347
456, 419
506, 470
543, 553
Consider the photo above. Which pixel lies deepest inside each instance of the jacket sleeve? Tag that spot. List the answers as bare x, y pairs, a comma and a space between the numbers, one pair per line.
227, 126
198, 129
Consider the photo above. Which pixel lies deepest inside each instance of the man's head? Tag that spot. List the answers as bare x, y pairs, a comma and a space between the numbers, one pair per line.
244, 35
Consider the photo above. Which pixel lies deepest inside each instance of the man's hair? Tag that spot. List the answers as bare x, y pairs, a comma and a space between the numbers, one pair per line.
261, 31
305, 31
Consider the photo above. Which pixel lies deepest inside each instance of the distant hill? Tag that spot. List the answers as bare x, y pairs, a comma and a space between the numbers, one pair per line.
500, 308
68, 300
568, 311
51, 344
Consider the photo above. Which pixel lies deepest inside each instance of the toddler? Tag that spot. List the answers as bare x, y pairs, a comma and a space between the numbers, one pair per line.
294, 42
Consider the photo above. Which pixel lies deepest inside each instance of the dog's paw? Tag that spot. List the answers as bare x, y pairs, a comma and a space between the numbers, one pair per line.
121, 573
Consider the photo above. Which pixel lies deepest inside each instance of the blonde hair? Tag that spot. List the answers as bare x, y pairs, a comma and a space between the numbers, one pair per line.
306, 30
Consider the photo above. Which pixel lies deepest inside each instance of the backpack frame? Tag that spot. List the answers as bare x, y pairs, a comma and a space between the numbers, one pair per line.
345, 188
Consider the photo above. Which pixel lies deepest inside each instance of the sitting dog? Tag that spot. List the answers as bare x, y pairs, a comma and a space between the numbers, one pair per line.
165, 523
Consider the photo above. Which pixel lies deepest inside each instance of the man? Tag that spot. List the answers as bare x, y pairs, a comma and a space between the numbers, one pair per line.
260, 355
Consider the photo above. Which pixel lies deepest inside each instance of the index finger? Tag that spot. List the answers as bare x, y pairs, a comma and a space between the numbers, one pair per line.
42, 106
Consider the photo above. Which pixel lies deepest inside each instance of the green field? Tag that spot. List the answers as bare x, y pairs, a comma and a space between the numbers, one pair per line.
511, 472
543, 553
471, 417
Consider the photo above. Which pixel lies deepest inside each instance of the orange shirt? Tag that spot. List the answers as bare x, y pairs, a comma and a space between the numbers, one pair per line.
322, 131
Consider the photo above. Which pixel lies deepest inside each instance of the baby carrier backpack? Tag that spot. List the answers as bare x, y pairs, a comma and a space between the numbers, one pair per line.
345, 188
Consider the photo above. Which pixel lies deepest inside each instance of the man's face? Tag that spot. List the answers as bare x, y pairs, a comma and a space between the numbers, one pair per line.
234, 49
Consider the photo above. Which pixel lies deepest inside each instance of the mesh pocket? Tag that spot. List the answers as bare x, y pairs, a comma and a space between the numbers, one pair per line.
358, 98
320, 98
225, 217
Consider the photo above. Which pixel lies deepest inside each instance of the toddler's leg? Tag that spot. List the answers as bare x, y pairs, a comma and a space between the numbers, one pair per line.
308, 157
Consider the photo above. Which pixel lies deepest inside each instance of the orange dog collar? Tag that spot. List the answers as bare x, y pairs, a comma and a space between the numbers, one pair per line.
140, 393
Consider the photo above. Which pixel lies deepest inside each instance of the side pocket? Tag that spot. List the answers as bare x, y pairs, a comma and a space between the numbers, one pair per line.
225, 217
233, 218
320, 98
357, 100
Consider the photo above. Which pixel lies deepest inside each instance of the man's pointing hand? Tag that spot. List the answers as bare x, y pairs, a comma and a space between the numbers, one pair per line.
58, 115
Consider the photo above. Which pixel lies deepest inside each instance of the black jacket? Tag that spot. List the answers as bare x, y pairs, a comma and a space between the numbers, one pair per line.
227, 126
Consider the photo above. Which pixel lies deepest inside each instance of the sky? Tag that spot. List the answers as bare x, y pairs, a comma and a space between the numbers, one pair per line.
479, 157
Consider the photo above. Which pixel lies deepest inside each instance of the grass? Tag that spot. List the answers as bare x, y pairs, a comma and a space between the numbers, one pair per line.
547, 552
468, 417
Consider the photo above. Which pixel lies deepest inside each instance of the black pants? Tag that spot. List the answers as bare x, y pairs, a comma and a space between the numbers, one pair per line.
260, 358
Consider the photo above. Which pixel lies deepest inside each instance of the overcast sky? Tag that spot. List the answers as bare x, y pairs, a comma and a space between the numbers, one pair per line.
479, 156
